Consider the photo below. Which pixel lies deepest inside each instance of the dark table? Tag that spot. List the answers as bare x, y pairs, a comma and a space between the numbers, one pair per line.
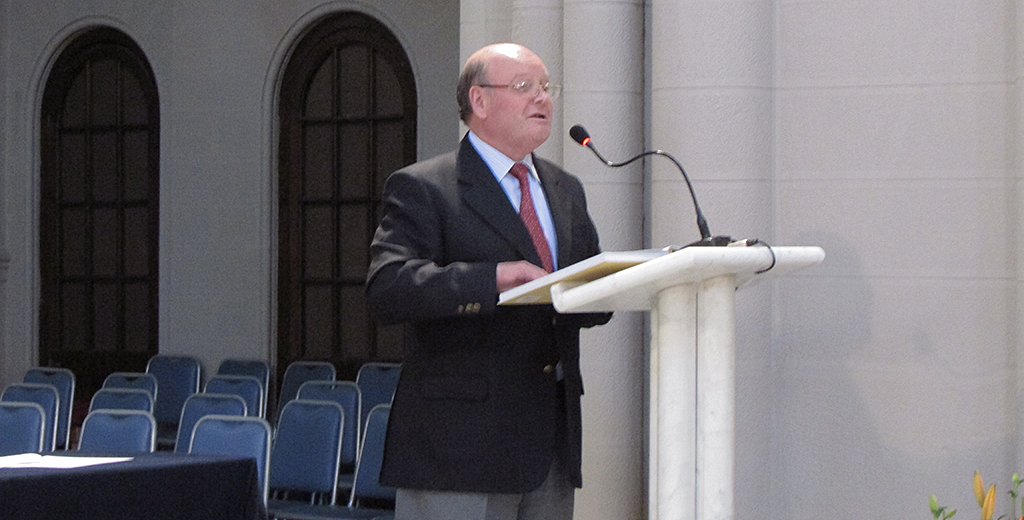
151, 487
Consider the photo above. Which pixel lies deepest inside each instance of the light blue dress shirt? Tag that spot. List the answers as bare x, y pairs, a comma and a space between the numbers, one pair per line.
500, 164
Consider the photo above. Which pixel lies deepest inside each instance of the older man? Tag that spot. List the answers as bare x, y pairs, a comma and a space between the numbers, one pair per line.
485, 423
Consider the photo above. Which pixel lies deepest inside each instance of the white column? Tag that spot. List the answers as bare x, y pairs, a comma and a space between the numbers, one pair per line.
482, 22
602, 77
673, 405
712, 108
537, 24
716, 401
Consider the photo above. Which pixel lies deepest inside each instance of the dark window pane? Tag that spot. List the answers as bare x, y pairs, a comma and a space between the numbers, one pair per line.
136, 317
319, 323
319, 238
387, 160
104, 100
355, 160
320, 96
355, 242
136, 165
389, 90
354, 323
105, 167
74, 302
319, 164
136, 111
74, 246
354, 81
136, 241
72, 187
107, 316
106, 243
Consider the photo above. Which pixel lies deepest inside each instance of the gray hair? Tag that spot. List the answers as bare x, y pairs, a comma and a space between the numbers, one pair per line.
472, 74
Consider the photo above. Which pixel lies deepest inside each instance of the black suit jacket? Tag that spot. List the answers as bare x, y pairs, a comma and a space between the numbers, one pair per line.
477, 407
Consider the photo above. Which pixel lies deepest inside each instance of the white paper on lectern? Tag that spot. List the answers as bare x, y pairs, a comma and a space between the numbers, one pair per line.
597, 266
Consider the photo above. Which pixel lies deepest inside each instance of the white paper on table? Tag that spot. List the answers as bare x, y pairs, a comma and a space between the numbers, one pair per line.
35, 460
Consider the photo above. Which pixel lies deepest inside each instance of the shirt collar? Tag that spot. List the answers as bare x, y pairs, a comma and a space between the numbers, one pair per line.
498, 162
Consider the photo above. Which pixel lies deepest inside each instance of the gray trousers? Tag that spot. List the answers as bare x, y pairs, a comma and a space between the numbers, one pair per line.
553, 500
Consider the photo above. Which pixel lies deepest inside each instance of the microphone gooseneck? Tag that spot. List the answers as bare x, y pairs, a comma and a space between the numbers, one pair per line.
581, 136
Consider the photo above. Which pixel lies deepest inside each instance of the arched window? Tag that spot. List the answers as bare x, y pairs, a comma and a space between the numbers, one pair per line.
100, 136
347, 120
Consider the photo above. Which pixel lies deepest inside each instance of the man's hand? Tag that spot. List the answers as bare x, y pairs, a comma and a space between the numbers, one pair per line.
513, 274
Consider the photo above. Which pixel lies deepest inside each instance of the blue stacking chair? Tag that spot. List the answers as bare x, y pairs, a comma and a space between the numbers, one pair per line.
45, 396
366, 486
21, 427
198, 406
133, 380
347, 395
247, 387
177, 378
307, 452
299, 372
121, 432
64, 381
371, 458
235, 436
377, 382
122, 399
246, 367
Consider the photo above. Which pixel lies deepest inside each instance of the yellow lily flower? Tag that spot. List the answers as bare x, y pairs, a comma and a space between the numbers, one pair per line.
990, 503
979, 489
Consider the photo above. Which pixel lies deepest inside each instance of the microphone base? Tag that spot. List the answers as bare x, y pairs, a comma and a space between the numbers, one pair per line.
716, 241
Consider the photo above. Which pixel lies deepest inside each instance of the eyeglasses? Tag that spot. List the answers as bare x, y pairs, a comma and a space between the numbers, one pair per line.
529, 88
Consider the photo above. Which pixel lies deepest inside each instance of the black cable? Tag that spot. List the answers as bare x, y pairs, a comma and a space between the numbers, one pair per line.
770, 250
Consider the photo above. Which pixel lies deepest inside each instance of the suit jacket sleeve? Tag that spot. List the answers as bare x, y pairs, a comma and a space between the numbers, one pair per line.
410, 277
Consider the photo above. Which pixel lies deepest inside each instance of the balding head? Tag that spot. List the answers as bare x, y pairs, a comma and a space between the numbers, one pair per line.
514, 120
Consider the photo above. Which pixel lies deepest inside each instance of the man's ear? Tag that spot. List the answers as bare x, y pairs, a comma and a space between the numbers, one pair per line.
478, 100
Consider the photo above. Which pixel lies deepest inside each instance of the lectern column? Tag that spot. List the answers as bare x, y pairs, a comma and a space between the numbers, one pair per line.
716, 387
673, 404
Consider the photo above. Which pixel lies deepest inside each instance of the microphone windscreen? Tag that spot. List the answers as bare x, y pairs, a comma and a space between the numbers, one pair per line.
579, 134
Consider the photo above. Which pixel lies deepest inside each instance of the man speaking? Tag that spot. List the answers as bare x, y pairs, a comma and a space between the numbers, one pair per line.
485, 422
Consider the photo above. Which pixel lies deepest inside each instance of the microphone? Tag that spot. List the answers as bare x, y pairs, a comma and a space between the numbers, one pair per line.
581, 136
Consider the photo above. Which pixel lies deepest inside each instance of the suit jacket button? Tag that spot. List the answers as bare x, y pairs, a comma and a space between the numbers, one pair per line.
461, 309
549, 369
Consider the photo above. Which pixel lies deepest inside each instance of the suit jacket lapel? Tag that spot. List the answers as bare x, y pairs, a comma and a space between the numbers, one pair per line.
484, 196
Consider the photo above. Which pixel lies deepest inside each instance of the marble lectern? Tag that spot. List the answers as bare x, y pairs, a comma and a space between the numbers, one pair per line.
691, 296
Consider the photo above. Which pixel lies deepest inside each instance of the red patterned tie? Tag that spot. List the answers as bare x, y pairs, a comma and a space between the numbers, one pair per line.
529, 215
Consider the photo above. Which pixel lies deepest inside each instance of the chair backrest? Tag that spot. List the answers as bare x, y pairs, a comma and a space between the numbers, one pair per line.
122, 399
133, 380
346, 394
198, 406
45, 396
248, 388
22, 426
118, 431
246, 367
177, 378
299, 372
235, 436
307, 448
64, 381
371, 457
377, 382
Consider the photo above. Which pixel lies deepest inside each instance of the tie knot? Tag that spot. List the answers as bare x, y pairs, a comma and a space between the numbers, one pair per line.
520, 171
